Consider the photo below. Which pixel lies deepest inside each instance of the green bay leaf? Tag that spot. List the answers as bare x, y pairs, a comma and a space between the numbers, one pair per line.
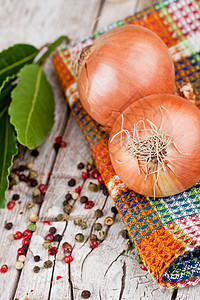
8, 149
32, 106
14, 58
5, 90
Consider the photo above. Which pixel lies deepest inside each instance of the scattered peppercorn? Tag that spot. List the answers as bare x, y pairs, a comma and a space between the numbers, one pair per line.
68, 196
52, 230
22, 258
4, 269
100, 180
32, 227
89, 204
79, 237
83, 199
68, 259
91, 161
22, 168
8, 225
36, 269
34, 152
43, 188
93, 237
15, 197
32, 174
22, 177
63, 144
85, 294
53, 250
57, 237
11, 237
18, 235
33, 182
48, 264
75, 196
21, 251
33, 218
58, 139
101, 235
97, 226
105, 191
60, 256
19, 265
77, 221
25, 241
11, 205
89, 167
98, 213
67, 247
30, 165
36, 258
29, 205
46, 245
72, 182
65, 202
39, 199
49, 237
27, 234
124, 234
109, 221
78, 189
114, 210
143, 268
93, 187
95, 173
67, 209
83, 225
85, 175
36, 192
60, 217
94, 244
80, 166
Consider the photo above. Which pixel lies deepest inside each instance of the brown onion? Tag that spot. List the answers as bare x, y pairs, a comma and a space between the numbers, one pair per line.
122, 66
155, 144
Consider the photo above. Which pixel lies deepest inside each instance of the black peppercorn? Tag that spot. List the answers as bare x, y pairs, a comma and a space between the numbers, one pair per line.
36, 269
22, 168
80, 166
35, 153
15, 197
22, 177
33, 182
65, 202
68, 196
72, 182
52, 230
105, 191
114, 210
38, 199
85, 294
57, 238
102, 186
8, 225
84, 199
36, 258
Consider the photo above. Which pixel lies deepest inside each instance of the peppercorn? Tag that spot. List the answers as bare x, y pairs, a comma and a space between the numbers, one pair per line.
15, 197
36, 258
39, 199
80, 166
49, 237
78, 189
101, 235
97, 226
22, 168
29, 205
15, 180
34, 152
60, 256
11, 205
67, 209
68, 196
85, 175
27, 234
32, 174
36, 192
67, 247
68, 259
126, 247
95, 173
18, 235
11, 237
30, 165
94, 244
72, 182
65, 202
89, 167
114, 210
83, 199
19, 265
57, 237
101, 186
48, 264
60, 217
33, 182
75, 196
85, 294
53, 250
83, 225
8, 225
21, 251
98, 213
79, 237
46, 244
105, 191
36, 269
22, 177
93, 237
109, 221
33, 218
4, 269
77, 221
124, 234
89, 204
52, 230
93, 187
32, 227
91, 161
22, 258
25, 241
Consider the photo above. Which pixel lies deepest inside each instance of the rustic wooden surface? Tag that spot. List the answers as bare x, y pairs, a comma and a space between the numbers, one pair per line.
104, 271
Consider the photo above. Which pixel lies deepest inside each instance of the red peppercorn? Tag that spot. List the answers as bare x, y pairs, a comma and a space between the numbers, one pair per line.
78, 189
94, 244
18, 235
89, 204
58, 139
143, 268
49, 237
43, 188
68, 259
85, 175
27, 234
52, 250
67, 247
63, 144
100, 180
25, 241
4, 269
21, 251
95, 173
11, 205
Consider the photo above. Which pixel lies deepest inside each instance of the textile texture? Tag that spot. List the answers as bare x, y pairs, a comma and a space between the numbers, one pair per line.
166, 231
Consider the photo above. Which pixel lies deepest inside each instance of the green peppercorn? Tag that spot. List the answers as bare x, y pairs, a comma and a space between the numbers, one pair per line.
93, 187
79, 237
46, 245
32, 227
60, 217
109, 221
36, 269
98, 213
93, 237
16, 180
101, 235
48, 264
32, 174
97, 226
83, 225
124, 234
77, 221
36, 192
67, 208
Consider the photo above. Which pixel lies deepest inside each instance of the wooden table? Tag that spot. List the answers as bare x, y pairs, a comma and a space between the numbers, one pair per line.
104, 271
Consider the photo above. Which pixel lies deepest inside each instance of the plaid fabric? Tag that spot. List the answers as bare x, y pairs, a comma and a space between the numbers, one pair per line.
166, 231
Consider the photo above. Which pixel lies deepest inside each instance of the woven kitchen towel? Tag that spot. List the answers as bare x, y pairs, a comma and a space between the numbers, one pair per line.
166, 230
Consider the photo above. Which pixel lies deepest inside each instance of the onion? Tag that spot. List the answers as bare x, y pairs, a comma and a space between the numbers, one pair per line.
155, 144
122, 66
